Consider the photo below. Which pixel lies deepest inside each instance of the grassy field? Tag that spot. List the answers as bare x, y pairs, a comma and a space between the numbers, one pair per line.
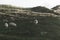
48, 28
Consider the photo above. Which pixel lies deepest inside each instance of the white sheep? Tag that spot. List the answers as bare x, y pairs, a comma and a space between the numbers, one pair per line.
6, 24
36, 21
12, 24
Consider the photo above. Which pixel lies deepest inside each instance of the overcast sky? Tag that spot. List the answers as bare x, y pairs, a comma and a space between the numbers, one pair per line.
31, 3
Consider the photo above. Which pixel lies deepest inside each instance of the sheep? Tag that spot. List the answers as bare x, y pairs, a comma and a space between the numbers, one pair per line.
13, 24
36, 21
6, 24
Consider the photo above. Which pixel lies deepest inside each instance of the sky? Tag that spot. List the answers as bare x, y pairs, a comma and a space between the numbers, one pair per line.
31, 3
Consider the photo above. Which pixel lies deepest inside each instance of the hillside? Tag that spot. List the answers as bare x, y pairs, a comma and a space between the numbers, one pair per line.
36, 9
26, 28
42, 9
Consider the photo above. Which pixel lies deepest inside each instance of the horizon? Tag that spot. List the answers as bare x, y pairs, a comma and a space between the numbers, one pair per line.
31, 3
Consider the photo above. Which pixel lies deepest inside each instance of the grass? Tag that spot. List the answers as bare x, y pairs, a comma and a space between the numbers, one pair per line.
27, 30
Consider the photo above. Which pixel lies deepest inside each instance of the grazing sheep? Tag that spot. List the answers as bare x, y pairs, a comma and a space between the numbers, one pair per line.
6, 24
12, 24
36, 21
